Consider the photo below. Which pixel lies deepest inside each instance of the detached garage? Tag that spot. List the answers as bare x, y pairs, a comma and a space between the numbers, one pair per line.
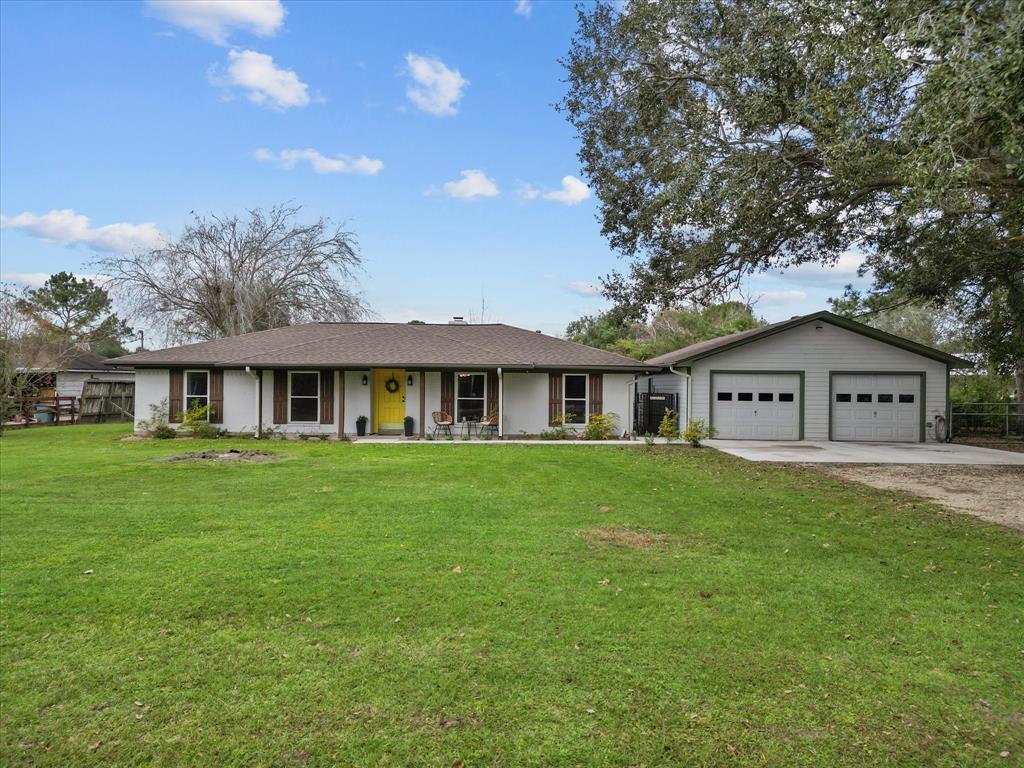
815, 377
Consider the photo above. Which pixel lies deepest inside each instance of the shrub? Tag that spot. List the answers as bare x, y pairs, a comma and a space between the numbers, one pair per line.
196, 421
601, 426
649, 439
696, 430
156, 425
669, 427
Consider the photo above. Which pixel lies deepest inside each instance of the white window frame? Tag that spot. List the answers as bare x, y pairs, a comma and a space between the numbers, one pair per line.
316, 420
185, 396
483, 399
586, 397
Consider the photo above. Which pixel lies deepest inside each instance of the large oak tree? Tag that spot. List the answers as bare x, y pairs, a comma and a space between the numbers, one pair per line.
725, 138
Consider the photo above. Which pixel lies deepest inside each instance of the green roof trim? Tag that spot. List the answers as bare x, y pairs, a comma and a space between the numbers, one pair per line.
850, 325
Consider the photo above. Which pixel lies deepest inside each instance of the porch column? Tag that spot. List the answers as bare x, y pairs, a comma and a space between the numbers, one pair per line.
341, 403
259, 402
501, 404
423, 403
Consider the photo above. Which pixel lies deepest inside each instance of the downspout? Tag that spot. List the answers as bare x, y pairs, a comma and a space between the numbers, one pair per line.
630, 402
685, 376
501, 405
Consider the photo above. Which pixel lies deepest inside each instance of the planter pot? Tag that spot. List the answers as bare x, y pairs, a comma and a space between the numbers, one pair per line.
408, 426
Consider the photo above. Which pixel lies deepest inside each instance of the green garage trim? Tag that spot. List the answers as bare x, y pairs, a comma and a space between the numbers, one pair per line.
711, 391
923, 396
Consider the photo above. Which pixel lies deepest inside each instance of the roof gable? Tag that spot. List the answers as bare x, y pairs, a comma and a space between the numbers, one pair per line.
710, 347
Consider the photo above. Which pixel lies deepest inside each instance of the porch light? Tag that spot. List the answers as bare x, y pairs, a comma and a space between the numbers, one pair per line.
365, 380
408, 381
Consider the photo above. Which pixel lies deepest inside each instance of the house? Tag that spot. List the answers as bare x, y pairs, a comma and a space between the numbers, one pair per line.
63, 373
319, 378
814, 377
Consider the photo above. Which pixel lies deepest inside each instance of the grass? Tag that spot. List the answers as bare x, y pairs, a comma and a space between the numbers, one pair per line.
613, 607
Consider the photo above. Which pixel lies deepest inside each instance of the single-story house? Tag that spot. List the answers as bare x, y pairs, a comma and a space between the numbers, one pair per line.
815, 377
63, 373
319, 378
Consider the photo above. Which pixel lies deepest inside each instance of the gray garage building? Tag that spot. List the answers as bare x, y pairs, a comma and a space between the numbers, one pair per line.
814, 377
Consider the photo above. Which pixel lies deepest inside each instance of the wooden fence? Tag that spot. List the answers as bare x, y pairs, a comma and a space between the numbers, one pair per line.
108, 401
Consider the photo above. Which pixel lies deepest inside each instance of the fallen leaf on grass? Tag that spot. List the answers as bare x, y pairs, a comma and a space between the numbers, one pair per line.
604, 582
87, 571
94, 746
457, 569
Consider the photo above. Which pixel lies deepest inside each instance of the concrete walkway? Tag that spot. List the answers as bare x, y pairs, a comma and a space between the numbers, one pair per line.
864, 453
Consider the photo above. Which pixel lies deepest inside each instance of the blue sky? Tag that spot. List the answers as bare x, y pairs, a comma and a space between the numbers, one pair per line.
426, 128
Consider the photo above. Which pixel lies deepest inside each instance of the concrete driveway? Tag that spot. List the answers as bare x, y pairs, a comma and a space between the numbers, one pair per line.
864, 453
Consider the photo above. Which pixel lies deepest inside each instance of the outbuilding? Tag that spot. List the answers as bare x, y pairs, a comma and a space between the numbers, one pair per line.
813, 377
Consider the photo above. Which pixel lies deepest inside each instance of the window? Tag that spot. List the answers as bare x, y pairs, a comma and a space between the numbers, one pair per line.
843, 398
885, 398
303, 396
906, 398
745, 396
785, 397
197, 389
863, 398
725, 396
574, 398
469, 403
765, 397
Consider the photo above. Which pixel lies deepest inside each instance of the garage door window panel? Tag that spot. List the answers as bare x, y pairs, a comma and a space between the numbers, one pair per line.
724, 397
863, 398
842, 397
906, 398
745, 397
785, 397
765, 397
885, 398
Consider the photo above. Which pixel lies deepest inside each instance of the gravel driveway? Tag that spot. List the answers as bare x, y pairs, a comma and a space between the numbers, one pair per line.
993, 493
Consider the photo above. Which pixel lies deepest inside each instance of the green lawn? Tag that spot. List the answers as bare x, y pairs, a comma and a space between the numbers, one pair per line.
615, 606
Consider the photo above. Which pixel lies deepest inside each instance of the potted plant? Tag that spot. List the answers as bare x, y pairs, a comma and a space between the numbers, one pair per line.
408, 423
361, 426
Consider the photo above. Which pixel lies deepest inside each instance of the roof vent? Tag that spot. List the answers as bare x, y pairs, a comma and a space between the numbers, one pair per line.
538, 331
458, 320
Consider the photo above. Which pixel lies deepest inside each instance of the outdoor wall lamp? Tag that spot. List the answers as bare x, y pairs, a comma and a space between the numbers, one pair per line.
365, 380
408, 381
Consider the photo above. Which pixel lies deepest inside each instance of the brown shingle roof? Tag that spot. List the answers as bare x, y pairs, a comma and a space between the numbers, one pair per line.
364, 345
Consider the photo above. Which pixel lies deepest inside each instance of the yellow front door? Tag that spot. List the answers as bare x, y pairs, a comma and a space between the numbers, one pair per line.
389, 399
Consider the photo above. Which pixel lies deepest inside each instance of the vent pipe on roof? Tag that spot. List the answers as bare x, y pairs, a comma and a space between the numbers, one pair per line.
458, 320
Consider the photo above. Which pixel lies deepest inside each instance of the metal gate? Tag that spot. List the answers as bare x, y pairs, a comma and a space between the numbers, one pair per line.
650, 409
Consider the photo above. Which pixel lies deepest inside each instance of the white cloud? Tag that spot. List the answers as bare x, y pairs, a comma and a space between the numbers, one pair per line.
524, 8
70, 228
844, 270
582, 288
473, 184
572, 192
436, 89
527, 192
213, 20
266, 84
780, 298
289, 158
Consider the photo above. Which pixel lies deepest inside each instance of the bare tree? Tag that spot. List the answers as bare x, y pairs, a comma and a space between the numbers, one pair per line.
225, 276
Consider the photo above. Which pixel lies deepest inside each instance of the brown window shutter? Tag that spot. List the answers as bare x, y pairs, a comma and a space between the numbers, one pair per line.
554, 397
216, 396
596, 393
280, 397
448, 392
326, 397
175, 390
491, 405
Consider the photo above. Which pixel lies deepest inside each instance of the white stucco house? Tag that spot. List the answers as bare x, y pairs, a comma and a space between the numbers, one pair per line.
815, 377
319, 378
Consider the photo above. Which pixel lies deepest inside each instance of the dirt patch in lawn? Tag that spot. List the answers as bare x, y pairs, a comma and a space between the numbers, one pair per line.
225, 456
992, 493
624, 536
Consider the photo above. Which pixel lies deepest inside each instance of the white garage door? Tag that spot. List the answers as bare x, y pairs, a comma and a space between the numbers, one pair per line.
756, 406
876, 407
